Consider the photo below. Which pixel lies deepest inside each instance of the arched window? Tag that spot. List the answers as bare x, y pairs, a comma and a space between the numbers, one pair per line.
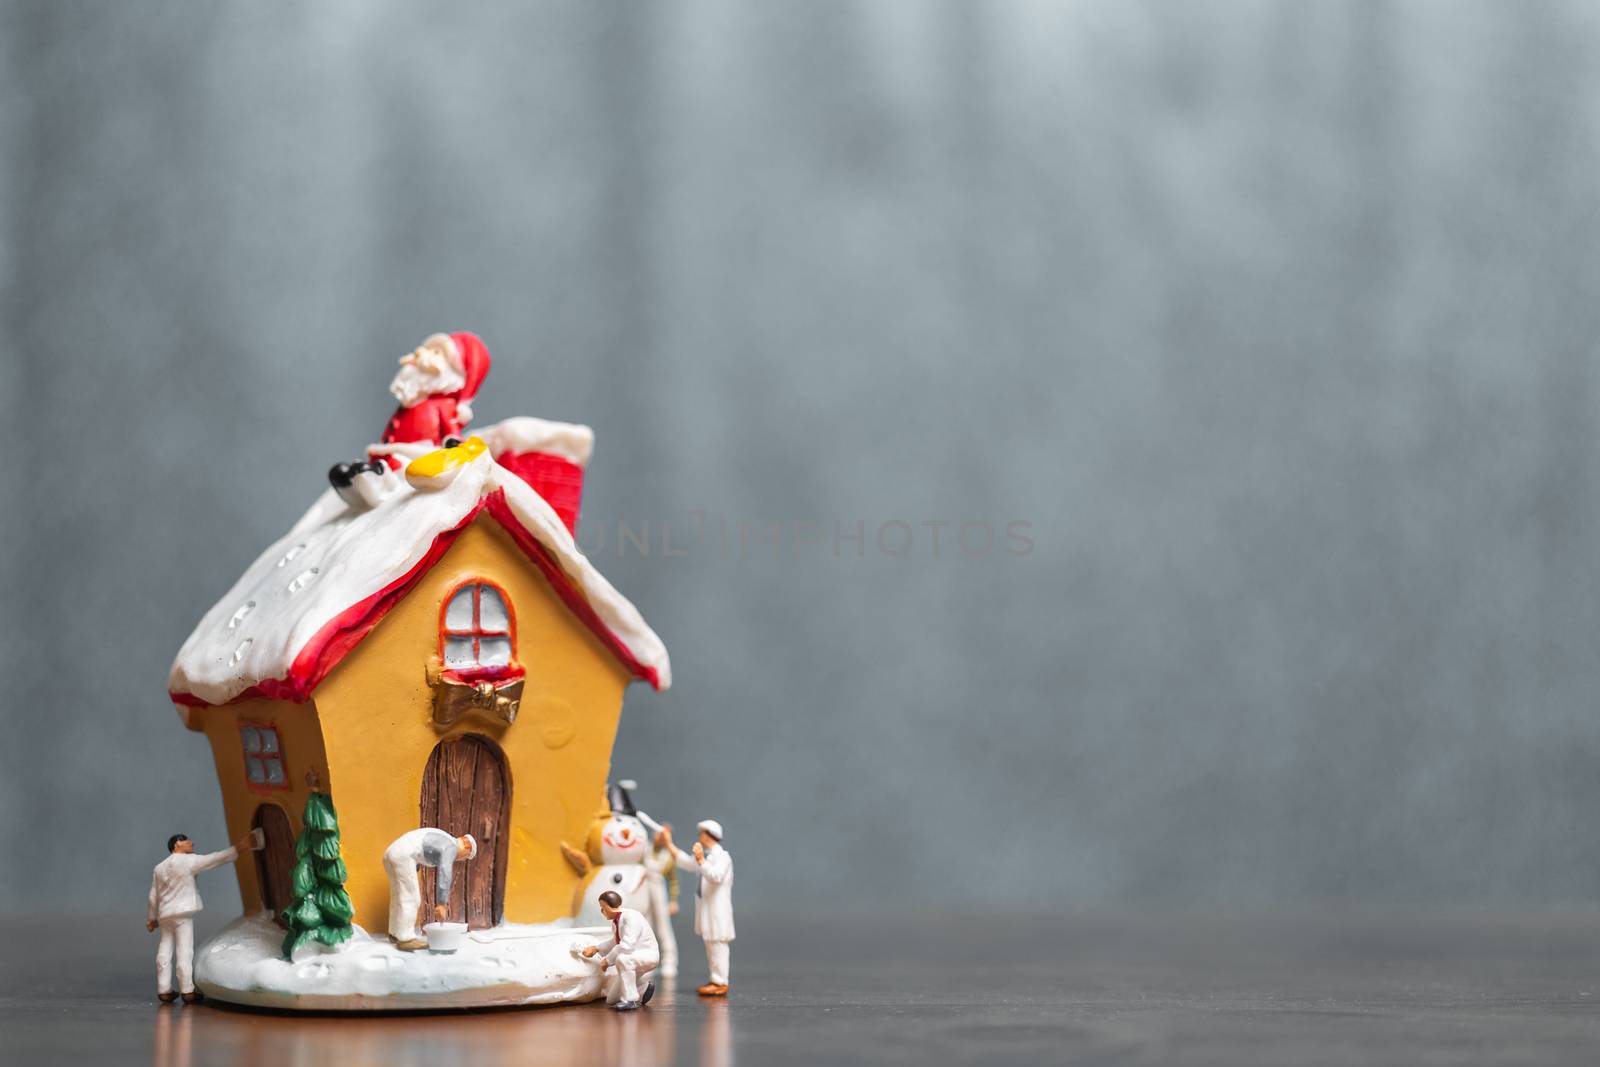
263, 758
477, 628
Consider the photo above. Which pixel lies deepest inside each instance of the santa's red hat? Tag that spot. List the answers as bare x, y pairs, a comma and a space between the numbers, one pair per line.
471, 357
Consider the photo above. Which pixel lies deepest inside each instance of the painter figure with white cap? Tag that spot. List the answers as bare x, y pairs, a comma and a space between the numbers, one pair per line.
713, 902
428, 847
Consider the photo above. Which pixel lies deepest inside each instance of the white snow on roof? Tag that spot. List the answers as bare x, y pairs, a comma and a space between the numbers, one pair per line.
569, 440
337, 556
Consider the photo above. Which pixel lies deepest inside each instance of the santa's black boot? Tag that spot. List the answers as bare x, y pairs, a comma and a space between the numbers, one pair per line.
341, 474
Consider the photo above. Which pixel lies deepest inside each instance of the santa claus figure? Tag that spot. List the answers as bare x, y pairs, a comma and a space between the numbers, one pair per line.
435, 386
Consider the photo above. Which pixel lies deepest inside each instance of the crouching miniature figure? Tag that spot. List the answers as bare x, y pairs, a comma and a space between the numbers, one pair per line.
429, 847
174, 901
631, 954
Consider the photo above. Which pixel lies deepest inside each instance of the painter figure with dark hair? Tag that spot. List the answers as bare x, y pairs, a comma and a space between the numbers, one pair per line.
713, 901
174, 900
631, 954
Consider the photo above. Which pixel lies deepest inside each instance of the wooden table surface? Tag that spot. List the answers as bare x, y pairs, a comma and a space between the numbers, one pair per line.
1124, 989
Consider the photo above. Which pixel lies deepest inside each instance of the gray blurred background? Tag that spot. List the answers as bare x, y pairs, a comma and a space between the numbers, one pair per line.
1274, 323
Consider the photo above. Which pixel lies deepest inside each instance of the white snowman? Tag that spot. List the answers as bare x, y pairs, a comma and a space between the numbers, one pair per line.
618, 859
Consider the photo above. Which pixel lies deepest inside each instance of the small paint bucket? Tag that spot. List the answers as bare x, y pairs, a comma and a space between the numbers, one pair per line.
445, 937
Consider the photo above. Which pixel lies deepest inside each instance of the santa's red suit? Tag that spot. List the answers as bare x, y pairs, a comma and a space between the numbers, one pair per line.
445, 414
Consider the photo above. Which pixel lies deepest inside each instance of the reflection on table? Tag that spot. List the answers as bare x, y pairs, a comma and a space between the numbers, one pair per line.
556, 1036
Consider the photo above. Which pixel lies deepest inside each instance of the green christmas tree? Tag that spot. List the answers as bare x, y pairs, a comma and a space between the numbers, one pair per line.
321, 910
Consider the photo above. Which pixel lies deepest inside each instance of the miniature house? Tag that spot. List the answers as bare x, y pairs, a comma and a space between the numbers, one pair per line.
443, 655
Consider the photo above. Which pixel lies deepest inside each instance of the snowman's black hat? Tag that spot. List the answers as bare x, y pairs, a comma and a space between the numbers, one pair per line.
621, 802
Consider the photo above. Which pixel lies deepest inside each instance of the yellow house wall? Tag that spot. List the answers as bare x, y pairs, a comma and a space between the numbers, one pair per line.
376, 712
300, 740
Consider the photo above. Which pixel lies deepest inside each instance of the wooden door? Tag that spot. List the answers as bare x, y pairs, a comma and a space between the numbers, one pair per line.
275, 862
466, 790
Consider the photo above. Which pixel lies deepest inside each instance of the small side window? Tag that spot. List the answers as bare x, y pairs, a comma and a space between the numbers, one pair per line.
263, 756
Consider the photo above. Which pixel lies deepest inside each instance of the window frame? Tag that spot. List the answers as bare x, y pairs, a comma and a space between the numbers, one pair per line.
478, 671
278, 757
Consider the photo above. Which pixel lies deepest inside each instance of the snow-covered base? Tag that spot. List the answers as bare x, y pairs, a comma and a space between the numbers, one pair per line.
508, 965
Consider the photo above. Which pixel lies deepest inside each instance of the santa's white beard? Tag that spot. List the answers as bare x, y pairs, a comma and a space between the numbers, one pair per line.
413, 384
